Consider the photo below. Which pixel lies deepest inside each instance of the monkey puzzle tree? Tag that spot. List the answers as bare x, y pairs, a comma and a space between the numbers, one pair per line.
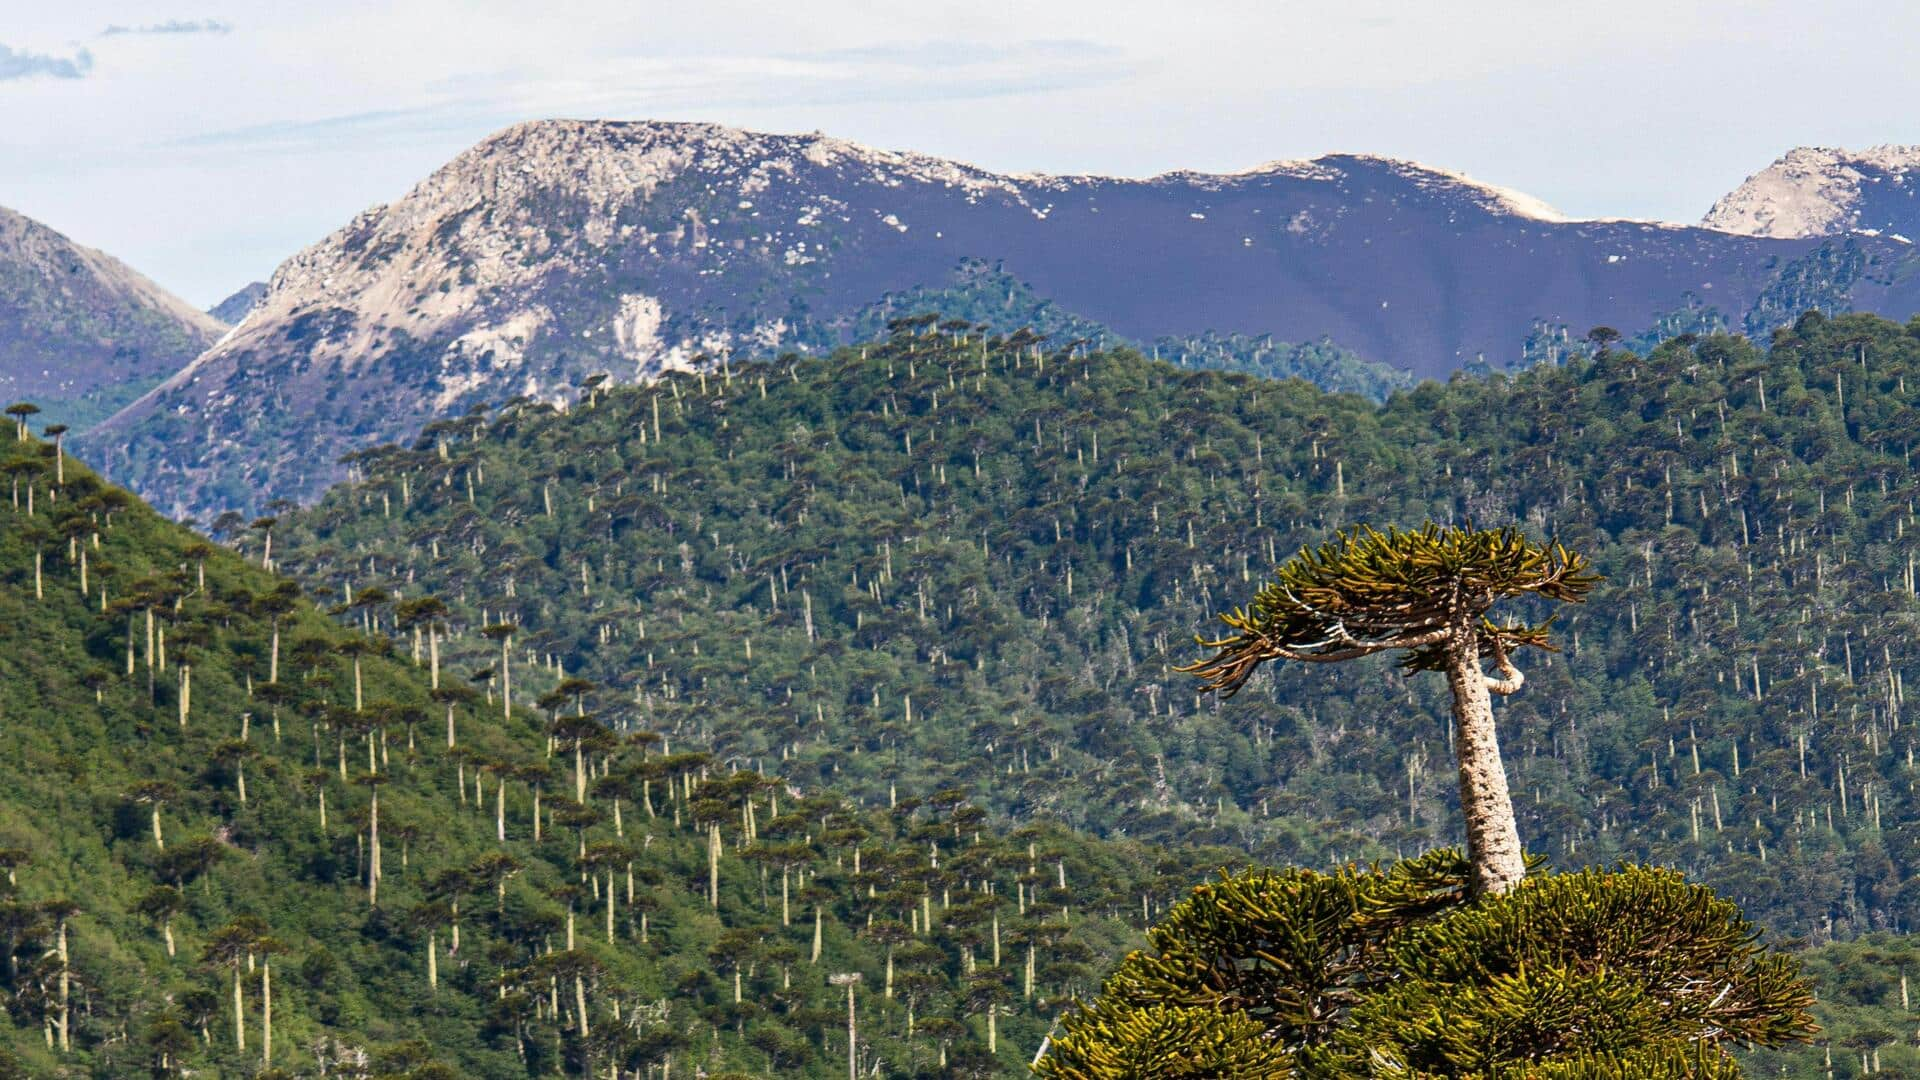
161, 903
1427, 593
503, 632
156, 794
426, 614
20, 411
233, 947
58, 433
60, 912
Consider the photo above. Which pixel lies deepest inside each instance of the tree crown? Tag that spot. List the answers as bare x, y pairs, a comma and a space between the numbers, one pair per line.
1366, 591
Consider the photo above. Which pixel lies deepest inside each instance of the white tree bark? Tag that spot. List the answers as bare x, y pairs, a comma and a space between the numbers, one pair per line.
1493, 838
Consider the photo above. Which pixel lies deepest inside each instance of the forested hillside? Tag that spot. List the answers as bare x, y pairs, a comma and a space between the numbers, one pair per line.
239, 839
991, 300
947, 561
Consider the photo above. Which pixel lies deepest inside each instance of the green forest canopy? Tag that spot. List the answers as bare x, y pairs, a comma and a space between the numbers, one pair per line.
985, 558
946, 562
195, 755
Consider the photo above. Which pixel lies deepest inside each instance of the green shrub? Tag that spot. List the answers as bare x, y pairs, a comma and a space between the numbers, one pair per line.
1394, 973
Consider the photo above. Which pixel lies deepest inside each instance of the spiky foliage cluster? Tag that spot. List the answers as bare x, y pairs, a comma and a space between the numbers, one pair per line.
1394, 972
1365, 591
1169, 1041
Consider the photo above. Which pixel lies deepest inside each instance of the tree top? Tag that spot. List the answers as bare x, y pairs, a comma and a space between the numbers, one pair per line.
1366, 591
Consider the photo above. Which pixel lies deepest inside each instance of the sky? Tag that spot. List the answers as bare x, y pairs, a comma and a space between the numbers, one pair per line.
203, 141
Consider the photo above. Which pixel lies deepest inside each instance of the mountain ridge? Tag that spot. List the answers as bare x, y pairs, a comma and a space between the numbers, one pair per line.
554, 250
81, 333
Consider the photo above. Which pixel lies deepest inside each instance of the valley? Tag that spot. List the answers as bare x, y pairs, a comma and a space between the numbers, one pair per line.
667, 599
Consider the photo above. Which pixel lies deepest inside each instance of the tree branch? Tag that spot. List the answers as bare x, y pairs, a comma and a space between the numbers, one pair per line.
1512, 678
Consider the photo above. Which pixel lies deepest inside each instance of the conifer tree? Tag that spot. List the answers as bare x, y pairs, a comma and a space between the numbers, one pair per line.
1425, 593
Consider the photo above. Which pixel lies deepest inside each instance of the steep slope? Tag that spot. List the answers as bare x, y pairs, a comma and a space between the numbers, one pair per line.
81, 334
947, 562
556, 249
1822, 191
427, 888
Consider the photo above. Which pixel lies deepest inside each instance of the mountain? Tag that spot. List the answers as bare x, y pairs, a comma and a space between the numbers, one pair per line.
1824, 191
942, 562
557, 249
236, 307
82, 334
216, 793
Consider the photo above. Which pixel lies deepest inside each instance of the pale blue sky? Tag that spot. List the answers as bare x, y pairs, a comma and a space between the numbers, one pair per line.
205, 140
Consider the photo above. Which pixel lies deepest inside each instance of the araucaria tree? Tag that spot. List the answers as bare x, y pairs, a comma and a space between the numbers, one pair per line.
1426, 593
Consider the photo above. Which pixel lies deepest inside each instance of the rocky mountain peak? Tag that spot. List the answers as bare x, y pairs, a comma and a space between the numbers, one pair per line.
1822, 191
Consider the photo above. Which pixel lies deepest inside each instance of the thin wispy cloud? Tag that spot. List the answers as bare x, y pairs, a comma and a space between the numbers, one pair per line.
29, 65
328, 129
648, 84
171, 26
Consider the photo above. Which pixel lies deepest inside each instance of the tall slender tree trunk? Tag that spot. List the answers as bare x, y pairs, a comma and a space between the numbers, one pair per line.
580, 1003
239, 1017
506, 678
373, 864
853, 1039
266, 1010
1493, 838
66, 983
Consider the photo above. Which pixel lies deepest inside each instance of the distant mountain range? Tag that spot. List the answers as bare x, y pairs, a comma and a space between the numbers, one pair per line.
558, 249
82, 334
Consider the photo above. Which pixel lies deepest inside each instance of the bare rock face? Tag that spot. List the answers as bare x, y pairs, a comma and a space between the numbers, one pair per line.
558, 249
1824, 191
77, 325
240, 304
